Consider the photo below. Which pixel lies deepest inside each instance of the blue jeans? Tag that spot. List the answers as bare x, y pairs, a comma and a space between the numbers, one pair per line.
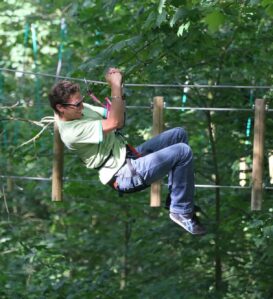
166, 153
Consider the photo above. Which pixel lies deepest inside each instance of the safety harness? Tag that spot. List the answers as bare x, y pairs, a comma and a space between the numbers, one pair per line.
138, 182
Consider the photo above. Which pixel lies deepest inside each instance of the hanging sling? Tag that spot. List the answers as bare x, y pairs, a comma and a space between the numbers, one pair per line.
138, 182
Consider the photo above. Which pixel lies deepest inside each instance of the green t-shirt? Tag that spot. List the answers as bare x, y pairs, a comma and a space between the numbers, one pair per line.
85, 137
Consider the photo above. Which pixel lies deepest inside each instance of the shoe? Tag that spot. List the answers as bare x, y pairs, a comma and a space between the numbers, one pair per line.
189, 222
168, 204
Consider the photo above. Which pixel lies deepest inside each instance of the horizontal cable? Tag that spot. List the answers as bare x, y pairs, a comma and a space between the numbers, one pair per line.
209, 109
220, 109
52, 76
222, 186
139, 107
81, 180
200, 108
142, 84
31, 178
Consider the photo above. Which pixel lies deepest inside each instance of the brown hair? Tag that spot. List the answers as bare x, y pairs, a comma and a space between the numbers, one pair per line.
61, 92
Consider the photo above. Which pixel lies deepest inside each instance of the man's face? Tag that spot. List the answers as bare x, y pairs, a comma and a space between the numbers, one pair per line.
72, 109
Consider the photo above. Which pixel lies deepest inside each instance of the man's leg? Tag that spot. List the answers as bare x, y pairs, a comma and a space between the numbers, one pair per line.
177, 161
165, 139
168, 153
162, 140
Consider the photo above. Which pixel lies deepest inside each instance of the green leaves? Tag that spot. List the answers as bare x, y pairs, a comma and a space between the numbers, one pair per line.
161, 6
214, 20
123, 44
162, 17
182, 28
179, 14
95, 242
268, 5
268, 231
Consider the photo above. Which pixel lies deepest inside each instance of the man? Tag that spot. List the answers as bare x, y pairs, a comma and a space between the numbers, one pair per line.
86, 130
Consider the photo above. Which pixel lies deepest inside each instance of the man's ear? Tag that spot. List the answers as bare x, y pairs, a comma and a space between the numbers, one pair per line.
60, 108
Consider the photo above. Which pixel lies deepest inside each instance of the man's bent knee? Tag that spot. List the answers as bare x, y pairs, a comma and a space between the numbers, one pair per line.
181, 134
185, 152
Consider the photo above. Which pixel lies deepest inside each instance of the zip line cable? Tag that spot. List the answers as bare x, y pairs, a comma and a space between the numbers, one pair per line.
30, 178
154, 85
216, 109
52, 76
141, 85
209, 109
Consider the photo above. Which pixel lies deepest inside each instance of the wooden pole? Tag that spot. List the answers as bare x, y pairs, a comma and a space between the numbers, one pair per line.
58, 146
258, 156
158, 107
57, 169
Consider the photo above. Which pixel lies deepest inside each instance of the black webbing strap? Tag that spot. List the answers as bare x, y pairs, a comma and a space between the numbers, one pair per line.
130, 166
137, 181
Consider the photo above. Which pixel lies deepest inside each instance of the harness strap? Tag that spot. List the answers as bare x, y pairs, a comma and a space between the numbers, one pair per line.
130, 166
138, 181
133, 150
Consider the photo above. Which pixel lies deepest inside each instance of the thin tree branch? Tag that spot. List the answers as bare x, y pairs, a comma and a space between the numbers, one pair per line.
10, 107
35, 137
46, 119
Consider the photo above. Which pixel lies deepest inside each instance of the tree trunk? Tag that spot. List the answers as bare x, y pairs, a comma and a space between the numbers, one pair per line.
218, 262
125, 262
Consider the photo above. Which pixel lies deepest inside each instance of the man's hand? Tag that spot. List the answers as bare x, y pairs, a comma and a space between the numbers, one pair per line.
114, 77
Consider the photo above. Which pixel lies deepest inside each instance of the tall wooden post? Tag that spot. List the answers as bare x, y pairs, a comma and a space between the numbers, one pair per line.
258, 156
57, 170
58, 146
158, 107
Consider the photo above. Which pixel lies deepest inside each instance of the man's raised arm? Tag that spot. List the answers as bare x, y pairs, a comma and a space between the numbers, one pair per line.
116, 115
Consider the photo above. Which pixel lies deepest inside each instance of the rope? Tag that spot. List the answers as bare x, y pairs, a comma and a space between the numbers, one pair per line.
84, 181
37, 81
249, 120
60, 54
141, 84
184, 96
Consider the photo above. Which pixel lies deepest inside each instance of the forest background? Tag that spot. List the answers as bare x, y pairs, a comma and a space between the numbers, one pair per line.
96, 244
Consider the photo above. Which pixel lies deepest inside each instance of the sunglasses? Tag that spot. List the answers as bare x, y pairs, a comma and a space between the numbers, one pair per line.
77, 105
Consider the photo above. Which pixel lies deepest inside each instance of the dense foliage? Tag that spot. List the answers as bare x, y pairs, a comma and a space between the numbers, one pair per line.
96, 244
